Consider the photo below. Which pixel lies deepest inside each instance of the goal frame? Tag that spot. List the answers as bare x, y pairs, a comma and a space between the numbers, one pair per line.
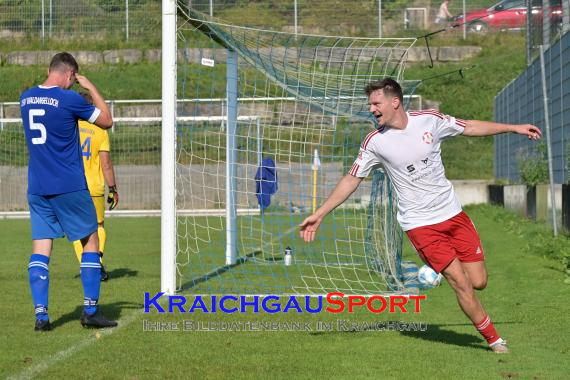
169, 238
168, 155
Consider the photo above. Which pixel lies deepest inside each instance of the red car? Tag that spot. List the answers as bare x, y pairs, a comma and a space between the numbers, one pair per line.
509, 14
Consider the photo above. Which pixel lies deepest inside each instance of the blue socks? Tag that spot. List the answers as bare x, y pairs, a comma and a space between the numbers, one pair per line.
91, 279
39, 284
38, 270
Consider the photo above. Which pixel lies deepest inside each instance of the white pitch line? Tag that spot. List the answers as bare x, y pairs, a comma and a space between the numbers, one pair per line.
34, 370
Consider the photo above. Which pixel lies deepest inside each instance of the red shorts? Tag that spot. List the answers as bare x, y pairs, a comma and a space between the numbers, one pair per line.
440, 243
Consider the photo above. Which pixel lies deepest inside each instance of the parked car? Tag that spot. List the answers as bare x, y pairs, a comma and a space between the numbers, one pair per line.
509, 14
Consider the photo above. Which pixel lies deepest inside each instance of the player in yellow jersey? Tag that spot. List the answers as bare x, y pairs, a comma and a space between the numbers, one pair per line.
98, 167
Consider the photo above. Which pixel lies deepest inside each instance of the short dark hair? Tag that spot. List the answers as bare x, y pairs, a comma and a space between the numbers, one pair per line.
388, 85
62, 61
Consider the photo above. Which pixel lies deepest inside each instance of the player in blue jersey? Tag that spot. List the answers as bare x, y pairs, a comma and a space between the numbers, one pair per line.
58, 198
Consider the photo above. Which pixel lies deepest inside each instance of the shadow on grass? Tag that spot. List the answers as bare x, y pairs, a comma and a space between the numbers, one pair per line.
217, 271
111, 311
438, 333
556, 269
118, 273
434, 333
122, 272
274, 259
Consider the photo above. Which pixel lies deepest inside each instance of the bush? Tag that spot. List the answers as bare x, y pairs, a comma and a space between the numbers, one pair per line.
533, 168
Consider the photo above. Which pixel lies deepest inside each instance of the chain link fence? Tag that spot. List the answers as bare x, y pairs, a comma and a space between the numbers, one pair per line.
522, 101
140, 20
79, 19
368, 18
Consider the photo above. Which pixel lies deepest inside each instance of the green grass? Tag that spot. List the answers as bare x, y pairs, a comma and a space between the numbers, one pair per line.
135, 144
115, 81
97, 42
100, 24
337, 260
469, 98
526, 298
501, 60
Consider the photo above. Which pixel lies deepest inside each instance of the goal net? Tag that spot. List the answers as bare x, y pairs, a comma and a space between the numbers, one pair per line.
277, 119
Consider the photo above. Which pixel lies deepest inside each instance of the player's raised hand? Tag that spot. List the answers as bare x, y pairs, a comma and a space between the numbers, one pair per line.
105, 119
529, 130
84, 82
308, 229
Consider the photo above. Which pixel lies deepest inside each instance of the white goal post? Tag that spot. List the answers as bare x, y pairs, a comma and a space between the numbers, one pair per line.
168, 181
307, 95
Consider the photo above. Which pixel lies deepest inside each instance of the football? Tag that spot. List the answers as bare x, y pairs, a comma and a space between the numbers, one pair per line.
428, 277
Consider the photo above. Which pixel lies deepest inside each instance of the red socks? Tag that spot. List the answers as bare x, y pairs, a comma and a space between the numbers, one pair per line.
486, 328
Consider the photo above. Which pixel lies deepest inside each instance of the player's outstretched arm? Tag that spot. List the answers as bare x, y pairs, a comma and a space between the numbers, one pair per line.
104, 120
344, 188
488, 128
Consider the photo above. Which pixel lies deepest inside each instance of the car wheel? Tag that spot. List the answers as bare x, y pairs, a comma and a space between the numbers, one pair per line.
478, 27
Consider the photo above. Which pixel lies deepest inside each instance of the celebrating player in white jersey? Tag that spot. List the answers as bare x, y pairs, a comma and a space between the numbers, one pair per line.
408, 146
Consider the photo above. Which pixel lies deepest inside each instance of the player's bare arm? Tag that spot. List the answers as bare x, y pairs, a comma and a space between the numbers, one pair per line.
344, 188
109, 175
104, 120
488, 128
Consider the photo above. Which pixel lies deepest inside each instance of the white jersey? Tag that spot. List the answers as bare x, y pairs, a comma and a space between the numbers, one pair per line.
412, 159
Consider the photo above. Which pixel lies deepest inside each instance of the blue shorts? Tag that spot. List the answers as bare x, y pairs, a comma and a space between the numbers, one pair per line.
72, 214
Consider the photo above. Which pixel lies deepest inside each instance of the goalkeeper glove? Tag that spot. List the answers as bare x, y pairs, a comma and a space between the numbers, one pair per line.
113, 197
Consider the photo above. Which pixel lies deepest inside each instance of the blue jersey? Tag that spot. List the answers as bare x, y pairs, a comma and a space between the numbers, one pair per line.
50, 115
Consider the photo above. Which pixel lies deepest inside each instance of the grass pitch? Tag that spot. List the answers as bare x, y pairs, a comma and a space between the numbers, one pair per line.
526, 298
337, 261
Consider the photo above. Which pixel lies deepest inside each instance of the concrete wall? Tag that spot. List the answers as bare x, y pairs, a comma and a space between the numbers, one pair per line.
203, 187
132, 56
516, 200
471, 191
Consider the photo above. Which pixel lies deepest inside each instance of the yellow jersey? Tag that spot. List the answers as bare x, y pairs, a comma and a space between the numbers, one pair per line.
93, 141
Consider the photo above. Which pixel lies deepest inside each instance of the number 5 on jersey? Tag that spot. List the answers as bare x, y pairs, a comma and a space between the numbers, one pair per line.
37, 126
